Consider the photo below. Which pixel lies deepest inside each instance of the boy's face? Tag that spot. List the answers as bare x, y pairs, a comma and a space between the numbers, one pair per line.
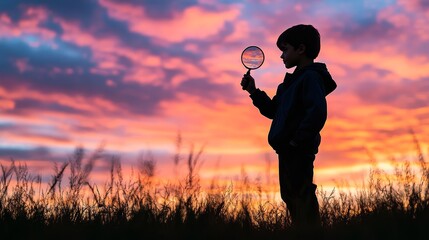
290, 55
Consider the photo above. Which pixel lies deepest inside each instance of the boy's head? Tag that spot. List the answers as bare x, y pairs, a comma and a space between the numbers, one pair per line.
306, 35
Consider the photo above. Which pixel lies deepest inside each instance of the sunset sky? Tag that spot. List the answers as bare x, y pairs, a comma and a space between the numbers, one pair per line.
132, 75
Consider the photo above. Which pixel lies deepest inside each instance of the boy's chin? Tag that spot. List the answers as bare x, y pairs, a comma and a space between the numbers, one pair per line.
289, 66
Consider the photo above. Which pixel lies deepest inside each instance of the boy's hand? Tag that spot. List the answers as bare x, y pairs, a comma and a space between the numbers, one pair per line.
248, 83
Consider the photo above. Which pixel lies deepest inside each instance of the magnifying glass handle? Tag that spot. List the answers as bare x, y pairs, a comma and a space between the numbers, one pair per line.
248, 72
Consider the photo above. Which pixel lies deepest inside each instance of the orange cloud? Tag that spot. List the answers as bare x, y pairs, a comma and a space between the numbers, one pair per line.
399, 63
6, 104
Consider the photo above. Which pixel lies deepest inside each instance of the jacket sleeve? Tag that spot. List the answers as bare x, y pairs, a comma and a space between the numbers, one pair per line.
265, 104
314, 109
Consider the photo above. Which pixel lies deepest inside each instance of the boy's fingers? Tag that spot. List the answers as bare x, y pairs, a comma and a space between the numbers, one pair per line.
246, 80
243, 83
247, 77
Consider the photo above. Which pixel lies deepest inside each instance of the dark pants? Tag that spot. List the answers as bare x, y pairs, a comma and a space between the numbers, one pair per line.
297, 189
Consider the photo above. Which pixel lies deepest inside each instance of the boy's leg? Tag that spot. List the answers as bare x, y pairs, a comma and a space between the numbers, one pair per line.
308, 207
297, 189
286, 192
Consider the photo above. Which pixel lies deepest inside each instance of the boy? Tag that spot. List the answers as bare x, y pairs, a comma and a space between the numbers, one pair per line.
299, 112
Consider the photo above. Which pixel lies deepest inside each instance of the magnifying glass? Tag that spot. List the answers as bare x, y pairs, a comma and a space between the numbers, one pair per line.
252, 58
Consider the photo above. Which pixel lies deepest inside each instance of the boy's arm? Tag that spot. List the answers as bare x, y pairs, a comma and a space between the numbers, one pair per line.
265, 104
315, 110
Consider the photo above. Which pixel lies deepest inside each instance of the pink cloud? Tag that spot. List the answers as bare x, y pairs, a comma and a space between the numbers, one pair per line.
414, 5
410, 19
27, 25
193, 23
391, 15
97, 105
22, 65
108, 50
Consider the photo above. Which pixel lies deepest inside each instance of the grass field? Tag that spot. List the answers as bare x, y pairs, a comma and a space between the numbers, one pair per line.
387, 206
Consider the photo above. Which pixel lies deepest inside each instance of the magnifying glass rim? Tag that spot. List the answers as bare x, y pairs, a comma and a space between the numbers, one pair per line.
263, 57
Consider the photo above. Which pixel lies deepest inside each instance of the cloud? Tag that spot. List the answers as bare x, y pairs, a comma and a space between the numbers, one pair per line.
162, 9
79, 65
58, 71
414, 5
407, 94
41, 153
180, 25
18, 55
208, 92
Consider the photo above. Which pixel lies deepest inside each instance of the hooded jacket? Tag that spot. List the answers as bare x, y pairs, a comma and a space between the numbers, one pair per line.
298, 109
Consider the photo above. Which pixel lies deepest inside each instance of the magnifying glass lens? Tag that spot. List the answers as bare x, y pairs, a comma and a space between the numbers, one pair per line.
252, 57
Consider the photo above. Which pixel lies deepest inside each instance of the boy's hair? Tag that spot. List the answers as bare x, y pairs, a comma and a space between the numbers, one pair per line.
301, 34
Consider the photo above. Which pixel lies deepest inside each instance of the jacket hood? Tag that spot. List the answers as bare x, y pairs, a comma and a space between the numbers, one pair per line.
321, 68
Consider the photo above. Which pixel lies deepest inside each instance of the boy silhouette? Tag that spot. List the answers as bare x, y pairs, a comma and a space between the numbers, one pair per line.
298, 112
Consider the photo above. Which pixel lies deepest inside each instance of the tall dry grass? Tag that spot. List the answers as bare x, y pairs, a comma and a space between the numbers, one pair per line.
387, 206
